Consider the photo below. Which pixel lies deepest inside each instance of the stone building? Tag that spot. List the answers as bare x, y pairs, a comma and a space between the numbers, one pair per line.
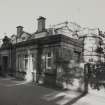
40, 53
92, 41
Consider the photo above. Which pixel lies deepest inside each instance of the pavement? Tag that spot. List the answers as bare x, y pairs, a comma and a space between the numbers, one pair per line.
13, 92
94, 97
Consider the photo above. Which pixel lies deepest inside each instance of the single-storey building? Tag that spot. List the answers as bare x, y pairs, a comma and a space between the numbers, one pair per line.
41, 54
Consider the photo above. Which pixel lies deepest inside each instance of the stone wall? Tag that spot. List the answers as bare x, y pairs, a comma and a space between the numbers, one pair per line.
69, 73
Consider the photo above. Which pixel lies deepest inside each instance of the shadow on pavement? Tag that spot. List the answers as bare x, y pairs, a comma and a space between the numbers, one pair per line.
64, 97
74, 100
29, 94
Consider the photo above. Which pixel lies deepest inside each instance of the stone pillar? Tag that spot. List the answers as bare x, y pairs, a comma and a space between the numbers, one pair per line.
86, 78
38, 63
29, 71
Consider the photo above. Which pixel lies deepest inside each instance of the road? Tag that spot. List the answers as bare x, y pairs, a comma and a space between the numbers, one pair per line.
13, 92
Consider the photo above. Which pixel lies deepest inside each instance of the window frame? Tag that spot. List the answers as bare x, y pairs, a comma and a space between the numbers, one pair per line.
77, 56
49, 58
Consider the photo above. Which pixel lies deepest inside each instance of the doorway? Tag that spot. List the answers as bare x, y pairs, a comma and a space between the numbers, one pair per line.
5, 64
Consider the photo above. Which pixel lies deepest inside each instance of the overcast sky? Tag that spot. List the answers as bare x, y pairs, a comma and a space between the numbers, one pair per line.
87, 13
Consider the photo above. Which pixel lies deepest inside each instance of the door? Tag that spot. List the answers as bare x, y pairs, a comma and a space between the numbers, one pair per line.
5, 64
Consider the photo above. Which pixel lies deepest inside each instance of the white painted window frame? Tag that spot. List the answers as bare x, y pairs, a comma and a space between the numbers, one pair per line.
47, 58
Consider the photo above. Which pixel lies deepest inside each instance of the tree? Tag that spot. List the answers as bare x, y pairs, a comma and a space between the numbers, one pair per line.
70, 71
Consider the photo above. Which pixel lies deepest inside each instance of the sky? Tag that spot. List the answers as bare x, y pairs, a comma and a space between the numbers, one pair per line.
87, 13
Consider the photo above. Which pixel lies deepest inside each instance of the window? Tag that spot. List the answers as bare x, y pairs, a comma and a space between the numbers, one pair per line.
49, 60
49, 54
26, 62
77, 56
33, 61
23, 38
19, 63
22, 62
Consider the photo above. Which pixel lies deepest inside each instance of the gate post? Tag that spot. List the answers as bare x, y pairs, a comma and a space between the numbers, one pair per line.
86, 79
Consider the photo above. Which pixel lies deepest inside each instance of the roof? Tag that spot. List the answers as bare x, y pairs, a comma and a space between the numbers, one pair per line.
23, 33
53, 39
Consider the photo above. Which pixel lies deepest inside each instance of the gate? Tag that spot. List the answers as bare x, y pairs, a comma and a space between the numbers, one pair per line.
94, 75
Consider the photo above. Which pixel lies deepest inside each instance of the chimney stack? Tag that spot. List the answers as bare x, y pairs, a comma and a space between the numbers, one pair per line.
41, 24
19, 30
